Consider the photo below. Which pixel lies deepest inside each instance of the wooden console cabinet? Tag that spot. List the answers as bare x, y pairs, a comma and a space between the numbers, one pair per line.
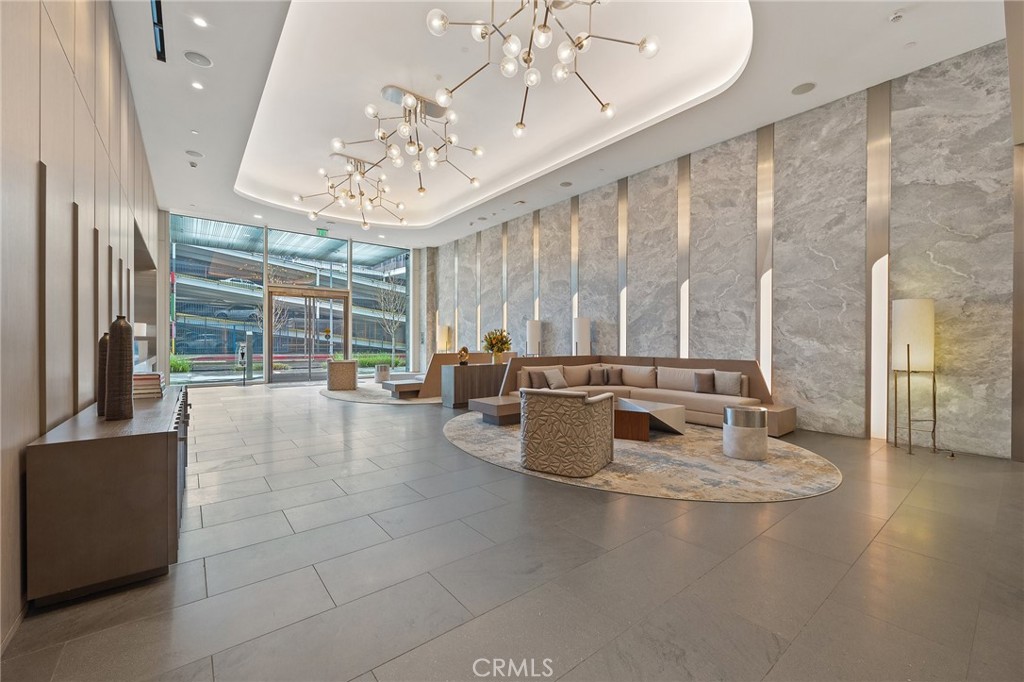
103, 498
460, 383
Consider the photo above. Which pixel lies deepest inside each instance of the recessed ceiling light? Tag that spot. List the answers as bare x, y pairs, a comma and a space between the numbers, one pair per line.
193, 152
200, 22
910, 45
803, 88
195, 132
257, 216
199, 59
197, 85
566, 183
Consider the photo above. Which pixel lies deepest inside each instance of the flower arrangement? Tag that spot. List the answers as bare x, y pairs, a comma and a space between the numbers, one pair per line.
497, 341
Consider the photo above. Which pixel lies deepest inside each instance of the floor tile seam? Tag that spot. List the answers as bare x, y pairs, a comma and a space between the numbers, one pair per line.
240, 479
831, 558
207, 556
369, 514
232, 499
8, 661
983, 572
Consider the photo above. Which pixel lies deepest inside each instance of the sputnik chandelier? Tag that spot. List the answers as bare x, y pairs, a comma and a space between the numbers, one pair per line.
546, 22
361, 186
421, 131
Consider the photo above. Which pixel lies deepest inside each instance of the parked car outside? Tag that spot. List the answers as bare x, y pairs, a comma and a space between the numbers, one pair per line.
249, 313
240, 281
202, 344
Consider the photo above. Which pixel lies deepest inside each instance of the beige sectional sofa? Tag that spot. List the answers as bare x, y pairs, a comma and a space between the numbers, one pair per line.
663, 380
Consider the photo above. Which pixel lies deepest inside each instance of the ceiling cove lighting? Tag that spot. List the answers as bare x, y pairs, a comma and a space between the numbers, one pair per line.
420, 135
360, 186
545, 25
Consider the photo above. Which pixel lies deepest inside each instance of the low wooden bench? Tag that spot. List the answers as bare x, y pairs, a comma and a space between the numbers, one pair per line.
403, 389
500, 409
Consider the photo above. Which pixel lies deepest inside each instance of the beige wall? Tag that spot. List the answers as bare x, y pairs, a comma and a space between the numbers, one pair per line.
70, 139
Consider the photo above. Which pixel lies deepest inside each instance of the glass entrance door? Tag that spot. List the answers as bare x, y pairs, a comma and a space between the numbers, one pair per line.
309, 327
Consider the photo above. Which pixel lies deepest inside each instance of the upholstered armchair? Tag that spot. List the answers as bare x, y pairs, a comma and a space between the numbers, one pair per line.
566, 432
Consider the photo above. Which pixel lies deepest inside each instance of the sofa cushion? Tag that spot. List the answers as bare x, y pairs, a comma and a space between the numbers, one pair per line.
675, 378
555, 379
617, 391
699, 402
640, 376
577, 375
704, 381
538, 379
728, 383
615, 376
524, 374
598, 376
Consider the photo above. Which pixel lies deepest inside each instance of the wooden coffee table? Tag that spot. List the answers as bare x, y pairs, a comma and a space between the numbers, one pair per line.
634, 419
500, 409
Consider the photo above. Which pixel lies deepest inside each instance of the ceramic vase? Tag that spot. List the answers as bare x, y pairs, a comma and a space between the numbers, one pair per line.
119, 371
101, 373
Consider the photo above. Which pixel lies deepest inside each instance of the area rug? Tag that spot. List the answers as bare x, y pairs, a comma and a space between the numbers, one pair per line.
687, 467
370, 392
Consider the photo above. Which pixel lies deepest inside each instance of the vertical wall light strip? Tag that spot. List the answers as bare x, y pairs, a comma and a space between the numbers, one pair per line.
879, 151
479, 276
574, 254
683, 254
536, 265
504, 275
765, 227
455, 296
1017, 392
623, 234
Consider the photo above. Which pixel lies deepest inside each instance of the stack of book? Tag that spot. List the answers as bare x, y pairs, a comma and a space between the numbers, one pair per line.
148, 385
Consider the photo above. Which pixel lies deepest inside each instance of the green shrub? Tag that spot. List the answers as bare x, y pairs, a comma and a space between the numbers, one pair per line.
373, 359
180, 364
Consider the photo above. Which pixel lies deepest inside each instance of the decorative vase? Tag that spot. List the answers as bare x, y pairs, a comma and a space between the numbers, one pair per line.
119, 371
497, 357
101, 373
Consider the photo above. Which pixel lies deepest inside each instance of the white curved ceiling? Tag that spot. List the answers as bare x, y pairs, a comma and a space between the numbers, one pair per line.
323, 75
843, 46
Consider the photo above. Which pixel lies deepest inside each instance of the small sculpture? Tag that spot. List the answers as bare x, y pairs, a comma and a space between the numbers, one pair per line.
464, 356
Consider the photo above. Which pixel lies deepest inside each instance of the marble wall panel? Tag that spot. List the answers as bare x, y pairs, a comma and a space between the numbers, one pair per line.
468, 293
598, 267
520, 279
652, 308
491, 300
430, 293
952, 235
723, 249
555, 295
818, 246
446, 288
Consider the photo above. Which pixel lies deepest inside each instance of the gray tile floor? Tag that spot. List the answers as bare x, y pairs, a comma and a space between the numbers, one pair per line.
334, 541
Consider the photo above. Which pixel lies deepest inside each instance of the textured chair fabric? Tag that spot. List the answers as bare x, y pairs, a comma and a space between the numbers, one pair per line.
567, 433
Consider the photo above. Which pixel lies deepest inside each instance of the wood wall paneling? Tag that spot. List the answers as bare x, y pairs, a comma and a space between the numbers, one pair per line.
85, 51
57, 149
19, 408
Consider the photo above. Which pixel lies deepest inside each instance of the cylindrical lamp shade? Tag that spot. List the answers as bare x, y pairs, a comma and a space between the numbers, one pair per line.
913, 324
533, 337
581, 335
444, 336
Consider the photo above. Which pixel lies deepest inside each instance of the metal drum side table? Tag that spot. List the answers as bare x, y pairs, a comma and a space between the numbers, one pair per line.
745, 432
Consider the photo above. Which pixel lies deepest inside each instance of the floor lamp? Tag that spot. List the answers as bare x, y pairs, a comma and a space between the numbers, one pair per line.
581, 336
913, 352
444, 338
533, 337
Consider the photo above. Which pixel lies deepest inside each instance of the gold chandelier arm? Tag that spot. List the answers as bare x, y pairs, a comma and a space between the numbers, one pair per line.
526, 94
617, 40
393, 214
589, 89
467, 78
508, 19
329, 204
461, 172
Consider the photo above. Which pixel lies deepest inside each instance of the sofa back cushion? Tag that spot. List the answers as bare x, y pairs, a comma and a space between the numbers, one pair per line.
675, 378
640, 376
577, 375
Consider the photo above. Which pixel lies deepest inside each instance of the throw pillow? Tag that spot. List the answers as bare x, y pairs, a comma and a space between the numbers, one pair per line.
615, 376
704, 381
598, 377
538, 380
728, 383
555, 379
